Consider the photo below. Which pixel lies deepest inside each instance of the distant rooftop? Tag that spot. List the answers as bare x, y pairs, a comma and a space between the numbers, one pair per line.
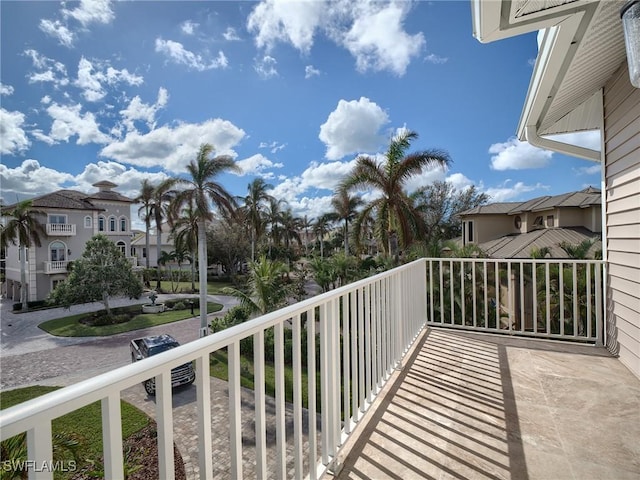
75, 200
521, 245
581, 199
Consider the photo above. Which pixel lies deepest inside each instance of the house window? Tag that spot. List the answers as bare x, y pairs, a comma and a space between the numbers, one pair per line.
517, 222
112, 224
538, 222
59, 219
470, 231
144, 252
123, 224
550, 221
57, 252
55, 283
87, 222
101, 226
122, 247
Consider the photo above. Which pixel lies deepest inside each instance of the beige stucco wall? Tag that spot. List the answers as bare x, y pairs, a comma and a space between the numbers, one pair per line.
622, 190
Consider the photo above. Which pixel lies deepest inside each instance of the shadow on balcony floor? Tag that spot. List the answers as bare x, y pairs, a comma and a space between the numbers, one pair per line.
479, 406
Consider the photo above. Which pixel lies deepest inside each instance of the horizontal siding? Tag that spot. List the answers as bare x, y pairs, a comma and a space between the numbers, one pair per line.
622, 198
622, 271
623, 231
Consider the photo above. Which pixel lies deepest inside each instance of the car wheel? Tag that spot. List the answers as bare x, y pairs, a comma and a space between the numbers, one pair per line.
150, 387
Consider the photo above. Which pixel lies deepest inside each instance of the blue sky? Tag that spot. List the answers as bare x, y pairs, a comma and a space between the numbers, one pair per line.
294, 91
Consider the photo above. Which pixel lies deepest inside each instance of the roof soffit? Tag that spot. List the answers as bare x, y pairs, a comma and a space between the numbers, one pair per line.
582, 47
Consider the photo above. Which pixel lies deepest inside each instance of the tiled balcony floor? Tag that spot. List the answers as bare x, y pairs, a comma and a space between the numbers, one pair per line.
471, 406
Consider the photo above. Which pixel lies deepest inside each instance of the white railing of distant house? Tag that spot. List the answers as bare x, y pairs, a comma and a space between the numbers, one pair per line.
61, 229
361, 331
55, 267
556, 299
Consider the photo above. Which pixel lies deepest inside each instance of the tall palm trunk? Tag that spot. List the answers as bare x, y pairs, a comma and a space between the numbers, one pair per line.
346, 237
158, 252
24, 292
147, 246
193, 271
202, 271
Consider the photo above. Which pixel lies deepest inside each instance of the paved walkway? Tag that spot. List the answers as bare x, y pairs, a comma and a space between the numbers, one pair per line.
30, 356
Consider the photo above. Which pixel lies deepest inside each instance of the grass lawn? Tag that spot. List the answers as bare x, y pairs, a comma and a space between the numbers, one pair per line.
71, 326
218, 368
83, 425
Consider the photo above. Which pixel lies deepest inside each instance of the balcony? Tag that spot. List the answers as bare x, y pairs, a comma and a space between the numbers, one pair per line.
55, 267
413, 382
61, 229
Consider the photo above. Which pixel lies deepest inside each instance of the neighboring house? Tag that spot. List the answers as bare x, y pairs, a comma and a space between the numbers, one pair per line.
139, 246
581, 82
514, 229
71, 219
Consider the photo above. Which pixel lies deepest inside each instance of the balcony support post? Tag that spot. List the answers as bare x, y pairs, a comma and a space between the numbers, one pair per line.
112, 436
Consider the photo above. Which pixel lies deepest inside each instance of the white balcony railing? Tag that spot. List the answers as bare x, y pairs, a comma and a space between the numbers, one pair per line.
61, 229
55, 267
377, 320
561, 299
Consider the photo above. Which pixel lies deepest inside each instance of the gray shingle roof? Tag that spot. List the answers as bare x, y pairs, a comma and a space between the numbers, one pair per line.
581, 199
72, 200
520, 245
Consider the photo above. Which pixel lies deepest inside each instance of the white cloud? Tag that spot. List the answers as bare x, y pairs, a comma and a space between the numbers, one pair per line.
188, 27
372, 32
31, 179
459, 181
13, 138
68, 121
589, 139
230, 35
180, 55
6, 89
91, 82
290, 22
353, 127
377, 39
257, 164
138, 110
326, 176
516, 155
506, 193
266, 67
310, 71
55, 29
128, 179
174, 147
433, 58
91, 11
592, 170
274, 147
50, 70
427, 177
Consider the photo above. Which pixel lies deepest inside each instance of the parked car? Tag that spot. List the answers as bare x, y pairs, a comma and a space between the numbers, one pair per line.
145, 347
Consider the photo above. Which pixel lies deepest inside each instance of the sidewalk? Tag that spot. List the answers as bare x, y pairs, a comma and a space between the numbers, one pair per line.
19, 332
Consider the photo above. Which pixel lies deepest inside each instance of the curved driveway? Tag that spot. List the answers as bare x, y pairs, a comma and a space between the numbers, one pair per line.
29, 355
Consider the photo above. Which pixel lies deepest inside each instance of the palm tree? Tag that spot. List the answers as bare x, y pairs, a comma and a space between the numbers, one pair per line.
577, 252
320, 228
185, 236
23, 229
144, 212
395, 212
290, 228
345, 208
254, 206
274, 219
265, 287
305, 224
201, 191
163, 195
